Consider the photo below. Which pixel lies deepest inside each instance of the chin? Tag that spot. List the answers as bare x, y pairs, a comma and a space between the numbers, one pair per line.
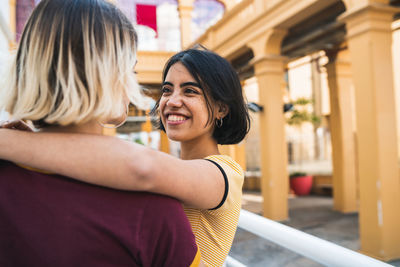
176, 136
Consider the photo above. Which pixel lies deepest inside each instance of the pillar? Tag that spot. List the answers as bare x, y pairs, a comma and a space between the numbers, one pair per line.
396, 69
369, 37
13, 22
109, 131
269, 71
236, 152
342, 131
185, 8
316, 98
164, 142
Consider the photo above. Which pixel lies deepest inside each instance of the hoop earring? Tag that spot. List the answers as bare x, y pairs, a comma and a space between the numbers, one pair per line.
219, 122
114, 126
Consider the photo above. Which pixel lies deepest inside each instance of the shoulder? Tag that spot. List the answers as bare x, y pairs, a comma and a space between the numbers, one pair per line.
163, 211
235, 177
166, 236
228, 163
232, 169
162, 205
165, 216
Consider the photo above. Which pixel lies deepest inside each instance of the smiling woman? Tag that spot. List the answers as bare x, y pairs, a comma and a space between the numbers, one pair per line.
201, 106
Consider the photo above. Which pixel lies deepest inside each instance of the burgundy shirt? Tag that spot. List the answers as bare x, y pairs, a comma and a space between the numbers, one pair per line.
50, 220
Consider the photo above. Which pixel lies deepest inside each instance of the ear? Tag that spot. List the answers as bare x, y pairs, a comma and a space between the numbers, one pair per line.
222, 110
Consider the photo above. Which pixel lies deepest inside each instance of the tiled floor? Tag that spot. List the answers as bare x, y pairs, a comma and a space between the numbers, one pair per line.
311, 214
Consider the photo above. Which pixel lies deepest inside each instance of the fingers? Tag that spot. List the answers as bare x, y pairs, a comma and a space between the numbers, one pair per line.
4, 124
16, 125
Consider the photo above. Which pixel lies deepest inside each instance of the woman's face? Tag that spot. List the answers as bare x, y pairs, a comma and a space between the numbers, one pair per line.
183, 109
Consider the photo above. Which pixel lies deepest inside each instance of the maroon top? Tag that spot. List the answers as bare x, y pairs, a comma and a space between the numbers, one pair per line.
50, 220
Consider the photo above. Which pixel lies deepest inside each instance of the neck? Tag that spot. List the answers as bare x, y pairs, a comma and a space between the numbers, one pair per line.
91, 127
198, 149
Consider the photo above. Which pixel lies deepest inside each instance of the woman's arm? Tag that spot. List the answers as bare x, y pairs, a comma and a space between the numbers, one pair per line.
112, 162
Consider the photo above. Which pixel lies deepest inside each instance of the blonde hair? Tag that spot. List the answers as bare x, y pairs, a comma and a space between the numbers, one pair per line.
75, 63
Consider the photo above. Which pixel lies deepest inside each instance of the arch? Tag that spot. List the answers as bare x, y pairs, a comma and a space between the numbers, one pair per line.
350, 4
269, 43
228, 4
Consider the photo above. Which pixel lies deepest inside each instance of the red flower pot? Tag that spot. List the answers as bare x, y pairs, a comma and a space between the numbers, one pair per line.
301, 185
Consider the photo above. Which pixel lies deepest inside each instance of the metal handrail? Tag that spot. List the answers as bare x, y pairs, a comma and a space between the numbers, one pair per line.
314, 248
231, 262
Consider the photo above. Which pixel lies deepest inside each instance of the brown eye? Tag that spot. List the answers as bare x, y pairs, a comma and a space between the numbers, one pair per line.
191, 91
165, 90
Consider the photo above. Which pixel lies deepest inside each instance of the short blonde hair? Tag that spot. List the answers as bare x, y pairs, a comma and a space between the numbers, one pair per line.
75, 63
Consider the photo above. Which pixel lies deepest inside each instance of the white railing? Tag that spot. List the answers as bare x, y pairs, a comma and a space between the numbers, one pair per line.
231, 262
314, 248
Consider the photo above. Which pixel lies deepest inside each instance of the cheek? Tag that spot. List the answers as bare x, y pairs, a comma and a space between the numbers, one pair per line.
161, 107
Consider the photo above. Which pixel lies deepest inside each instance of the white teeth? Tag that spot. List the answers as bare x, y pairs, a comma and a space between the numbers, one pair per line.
176, 118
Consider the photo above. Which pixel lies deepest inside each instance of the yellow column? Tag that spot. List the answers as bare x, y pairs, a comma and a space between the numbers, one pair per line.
13, 22
396, 69
185, 8
147, 126
110, 131
236, 152
269, 71
369, 37
164, 142
342, 131
240, 154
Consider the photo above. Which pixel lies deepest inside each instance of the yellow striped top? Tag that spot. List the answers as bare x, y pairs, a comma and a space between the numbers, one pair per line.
215, 229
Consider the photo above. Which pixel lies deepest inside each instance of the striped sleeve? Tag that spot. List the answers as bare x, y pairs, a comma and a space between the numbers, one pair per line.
215, 229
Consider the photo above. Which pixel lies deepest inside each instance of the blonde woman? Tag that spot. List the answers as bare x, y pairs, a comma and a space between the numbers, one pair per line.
73, 71
201, 106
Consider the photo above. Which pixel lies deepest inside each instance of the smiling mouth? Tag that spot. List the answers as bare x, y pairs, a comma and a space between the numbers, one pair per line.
176, 119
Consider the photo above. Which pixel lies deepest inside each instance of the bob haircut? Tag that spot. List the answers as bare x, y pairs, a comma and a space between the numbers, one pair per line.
220, 83
74, 63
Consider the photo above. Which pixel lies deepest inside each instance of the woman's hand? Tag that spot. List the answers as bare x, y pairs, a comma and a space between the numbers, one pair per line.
16, 125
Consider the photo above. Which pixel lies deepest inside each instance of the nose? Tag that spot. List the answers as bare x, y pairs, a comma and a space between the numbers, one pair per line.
175, 100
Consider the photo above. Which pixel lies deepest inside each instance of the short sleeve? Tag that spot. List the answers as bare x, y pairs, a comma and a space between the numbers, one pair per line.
166, 237
234, 178
215, 229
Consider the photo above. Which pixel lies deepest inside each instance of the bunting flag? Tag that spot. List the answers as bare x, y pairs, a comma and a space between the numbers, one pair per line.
147, 15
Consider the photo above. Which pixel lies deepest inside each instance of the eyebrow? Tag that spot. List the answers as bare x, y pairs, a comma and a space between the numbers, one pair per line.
184, 84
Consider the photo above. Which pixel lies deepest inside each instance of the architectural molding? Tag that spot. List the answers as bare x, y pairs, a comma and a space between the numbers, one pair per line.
254, 22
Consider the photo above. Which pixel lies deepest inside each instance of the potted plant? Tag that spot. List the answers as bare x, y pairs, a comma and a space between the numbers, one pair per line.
299, 113
301, 183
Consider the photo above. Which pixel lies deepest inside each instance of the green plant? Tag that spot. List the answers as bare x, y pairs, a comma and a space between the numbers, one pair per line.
138, 141
297, 174
300, 114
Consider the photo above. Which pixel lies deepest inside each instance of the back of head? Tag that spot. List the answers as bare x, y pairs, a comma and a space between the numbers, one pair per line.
74, 63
